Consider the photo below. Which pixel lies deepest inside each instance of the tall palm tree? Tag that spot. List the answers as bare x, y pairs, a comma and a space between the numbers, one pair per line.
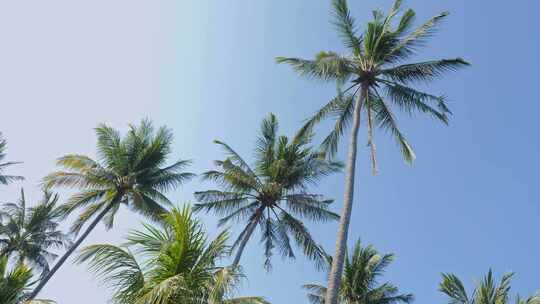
374, 79
174, 263
272, 194
485, 292
359, 284
27, 234
131, 171
6, 179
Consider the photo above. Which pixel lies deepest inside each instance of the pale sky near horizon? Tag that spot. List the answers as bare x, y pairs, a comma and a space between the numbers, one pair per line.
206, 69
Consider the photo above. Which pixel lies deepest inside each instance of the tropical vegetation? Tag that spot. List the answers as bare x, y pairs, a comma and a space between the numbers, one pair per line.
360, 284
271, 194
131, 171
29, 234
15, 282
486, 291
276, 193
6, 179
375, 79
172, 263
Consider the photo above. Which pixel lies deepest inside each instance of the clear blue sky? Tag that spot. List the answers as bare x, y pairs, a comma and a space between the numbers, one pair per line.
206, 69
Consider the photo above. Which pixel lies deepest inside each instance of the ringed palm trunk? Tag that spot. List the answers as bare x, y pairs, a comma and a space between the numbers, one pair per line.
334, 279
244, 241
73, 247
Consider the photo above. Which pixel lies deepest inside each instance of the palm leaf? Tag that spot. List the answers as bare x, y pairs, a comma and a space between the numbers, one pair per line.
345, 24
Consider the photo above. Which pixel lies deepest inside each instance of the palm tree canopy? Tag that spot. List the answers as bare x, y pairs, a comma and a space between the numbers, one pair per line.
130, 170
174, 263
27, 234
487, 291
6, 179
273, 193
360, 282
374, 66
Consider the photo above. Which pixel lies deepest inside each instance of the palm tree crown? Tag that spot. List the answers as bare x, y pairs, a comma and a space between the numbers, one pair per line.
130, 171
359, 284
28, 233
272, 193
6, 179
174, 263
377, 77
487, 291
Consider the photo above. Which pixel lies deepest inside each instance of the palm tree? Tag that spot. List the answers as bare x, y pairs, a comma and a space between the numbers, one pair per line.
131, 171
272, 194
14, 283
6, 179
28, 233
174, 263
485, 292
375, 78
359, 284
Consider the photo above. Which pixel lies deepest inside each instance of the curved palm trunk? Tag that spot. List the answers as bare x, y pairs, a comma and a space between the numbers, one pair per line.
246, 238
73, 247
334, 279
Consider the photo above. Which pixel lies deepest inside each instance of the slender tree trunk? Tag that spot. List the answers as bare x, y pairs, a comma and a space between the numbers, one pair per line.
334, 279
73, 247
246, 238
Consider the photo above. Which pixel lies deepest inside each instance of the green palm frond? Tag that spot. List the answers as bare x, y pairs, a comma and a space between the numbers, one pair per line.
387, 121
410, 101
325, 112
423, 71
85, 216
345, 24
6, 179
13, 283
235, 158
343, 115
316, 293
241, 214
533, 299
502, 291
326, 66
222, 203
416, 39
314, 207
303, 239
246, 300
487, 291
172, 263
